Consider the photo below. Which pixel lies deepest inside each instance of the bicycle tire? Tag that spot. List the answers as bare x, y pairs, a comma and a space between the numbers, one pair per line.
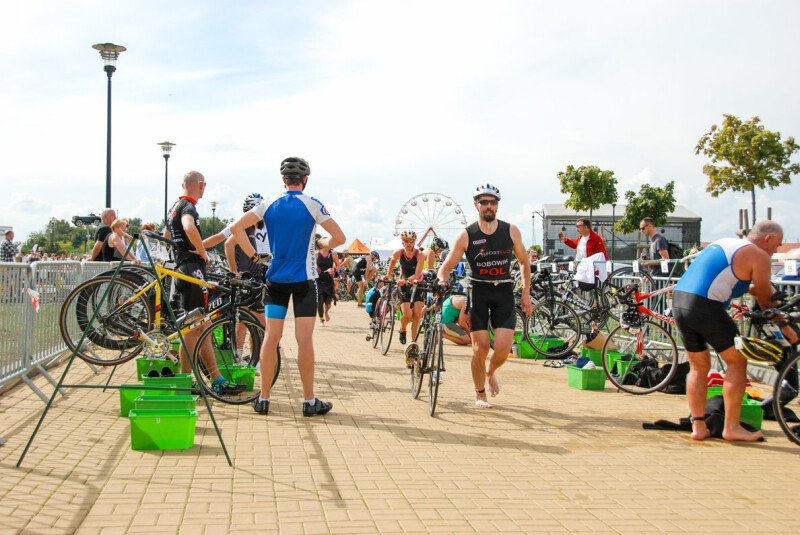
111, 338
419, 366
387, 327
521, 326
435, 369
650, 340
375, 323
551, 320
785, 394
618, 279
232, 368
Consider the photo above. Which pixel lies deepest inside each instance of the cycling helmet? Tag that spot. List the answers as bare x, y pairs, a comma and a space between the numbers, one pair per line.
438, 244
317, 237
408, 235
375, 255
486, 189
758, 350
429, 275
294, 167
251, 201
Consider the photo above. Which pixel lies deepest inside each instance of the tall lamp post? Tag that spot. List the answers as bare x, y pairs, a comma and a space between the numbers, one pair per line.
613, 233
214, 217
109, 52
166, 146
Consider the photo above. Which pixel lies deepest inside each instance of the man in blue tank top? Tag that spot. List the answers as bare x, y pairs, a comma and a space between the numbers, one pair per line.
291, 220
722, 271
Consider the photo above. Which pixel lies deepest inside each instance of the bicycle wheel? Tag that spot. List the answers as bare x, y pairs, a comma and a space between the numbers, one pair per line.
554, 329
784, 398
618, 279
435, 368
374, 323
112, 337
520, 327
420, 364
641, 359
387, 326
220, 338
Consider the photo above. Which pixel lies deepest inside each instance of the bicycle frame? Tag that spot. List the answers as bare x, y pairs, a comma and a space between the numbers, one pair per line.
639, 298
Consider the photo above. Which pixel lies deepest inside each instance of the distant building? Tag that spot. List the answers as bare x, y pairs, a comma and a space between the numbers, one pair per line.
682, 228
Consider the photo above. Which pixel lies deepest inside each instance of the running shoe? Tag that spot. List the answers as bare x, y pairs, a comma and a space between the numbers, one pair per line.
261, 406
411, 353
223, 387
403, 337
319, 408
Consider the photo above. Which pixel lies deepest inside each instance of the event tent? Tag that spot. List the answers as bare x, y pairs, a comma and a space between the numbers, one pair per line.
356, 247
385, 250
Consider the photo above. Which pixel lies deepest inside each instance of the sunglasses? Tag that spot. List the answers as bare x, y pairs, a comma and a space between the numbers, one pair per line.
488, 202
642, 228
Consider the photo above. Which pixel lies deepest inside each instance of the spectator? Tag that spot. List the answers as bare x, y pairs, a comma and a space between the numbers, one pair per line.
587, 243
144, 242
659, 246
8, 250
101, 250
118, 240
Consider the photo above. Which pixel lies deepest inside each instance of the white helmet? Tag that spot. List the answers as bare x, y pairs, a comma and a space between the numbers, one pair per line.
486, 189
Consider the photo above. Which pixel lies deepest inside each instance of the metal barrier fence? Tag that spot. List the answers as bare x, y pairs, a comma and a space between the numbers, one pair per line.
31, 340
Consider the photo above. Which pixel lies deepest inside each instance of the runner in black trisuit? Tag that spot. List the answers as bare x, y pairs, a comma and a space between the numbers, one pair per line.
328, 263
489, 245
410, 259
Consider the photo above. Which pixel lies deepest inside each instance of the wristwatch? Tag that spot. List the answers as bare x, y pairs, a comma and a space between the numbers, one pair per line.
255, 258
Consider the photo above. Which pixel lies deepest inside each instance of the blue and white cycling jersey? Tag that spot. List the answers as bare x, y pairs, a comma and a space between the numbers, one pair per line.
711, 274
291, 219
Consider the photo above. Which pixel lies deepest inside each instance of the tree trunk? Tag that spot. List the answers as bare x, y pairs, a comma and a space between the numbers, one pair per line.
753, 199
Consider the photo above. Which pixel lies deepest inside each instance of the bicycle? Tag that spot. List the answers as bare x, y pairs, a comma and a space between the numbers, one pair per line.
128, 321
430, 360
767, 325
383, 317
640, 356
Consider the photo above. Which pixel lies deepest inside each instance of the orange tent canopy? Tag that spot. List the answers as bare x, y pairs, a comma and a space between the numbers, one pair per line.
357, 247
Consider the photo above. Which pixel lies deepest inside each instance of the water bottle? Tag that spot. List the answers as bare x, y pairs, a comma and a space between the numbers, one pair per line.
192, 316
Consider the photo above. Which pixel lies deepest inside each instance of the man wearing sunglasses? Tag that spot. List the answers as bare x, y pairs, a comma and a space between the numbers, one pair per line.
587, 243
489, 244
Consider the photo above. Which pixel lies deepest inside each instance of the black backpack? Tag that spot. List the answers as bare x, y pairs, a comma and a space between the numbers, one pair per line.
675, 253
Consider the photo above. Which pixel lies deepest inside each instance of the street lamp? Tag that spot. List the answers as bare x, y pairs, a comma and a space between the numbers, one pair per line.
213, 217
109, 52
613, 233
166, 146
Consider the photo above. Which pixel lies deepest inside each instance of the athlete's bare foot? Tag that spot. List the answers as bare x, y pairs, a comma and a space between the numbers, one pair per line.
742, 434
494, 386
327, 316
700, 432
482, 403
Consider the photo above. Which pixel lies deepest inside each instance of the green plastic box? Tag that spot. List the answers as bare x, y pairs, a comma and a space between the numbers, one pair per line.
162, 429
595, 354
239, 375
613, 357
584, 379
544, 344
127, 397
144, 366
145, 402
180, 380
752, 412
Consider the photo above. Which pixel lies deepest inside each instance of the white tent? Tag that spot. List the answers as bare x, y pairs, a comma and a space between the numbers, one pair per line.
385, 251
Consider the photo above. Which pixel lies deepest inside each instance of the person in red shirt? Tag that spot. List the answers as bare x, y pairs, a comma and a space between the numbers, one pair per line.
587, 243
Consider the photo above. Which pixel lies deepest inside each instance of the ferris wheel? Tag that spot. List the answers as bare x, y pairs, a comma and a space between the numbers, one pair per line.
429, 215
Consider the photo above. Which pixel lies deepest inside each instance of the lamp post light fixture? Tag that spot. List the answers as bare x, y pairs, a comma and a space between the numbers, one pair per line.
109, 52
214, 216
613, 233
166, 147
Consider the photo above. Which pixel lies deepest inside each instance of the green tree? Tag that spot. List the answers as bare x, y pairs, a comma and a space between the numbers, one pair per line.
754, 156
588, 187
651, 201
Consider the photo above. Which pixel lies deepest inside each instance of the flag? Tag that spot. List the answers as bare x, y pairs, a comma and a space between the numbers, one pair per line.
34, 295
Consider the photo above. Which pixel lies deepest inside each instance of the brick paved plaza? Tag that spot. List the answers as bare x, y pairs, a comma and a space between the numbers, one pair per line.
547, 458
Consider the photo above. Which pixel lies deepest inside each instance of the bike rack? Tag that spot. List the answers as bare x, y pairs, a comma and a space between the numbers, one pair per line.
172, 317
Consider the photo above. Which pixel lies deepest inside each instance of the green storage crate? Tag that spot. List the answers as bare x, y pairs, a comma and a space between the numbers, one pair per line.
144, 366
176, 402
752, 412
595, 354
544, 344
127, 398
613, 357
162, 429
714, 391
180, 380
584, 379
622, 367
239, 375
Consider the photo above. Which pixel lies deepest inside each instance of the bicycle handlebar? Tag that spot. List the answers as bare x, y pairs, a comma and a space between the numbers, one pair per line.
158, 237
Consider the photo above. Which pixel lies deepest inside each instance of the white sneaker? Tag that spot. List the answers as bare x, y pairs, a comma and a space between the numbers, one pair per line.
590, 365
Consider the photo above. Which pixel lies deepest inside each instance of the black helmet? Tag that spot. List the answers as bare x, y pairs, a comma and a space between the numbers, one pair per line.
375, 255
294, 167
438, 244
251, 201
758, 350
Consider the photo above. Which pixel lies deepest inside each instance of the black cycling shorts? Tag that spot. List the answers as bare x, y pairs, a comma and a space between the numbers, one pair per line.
493, 304
326, 291
358, 275
303, 296
192, 295
703, 322
404, 293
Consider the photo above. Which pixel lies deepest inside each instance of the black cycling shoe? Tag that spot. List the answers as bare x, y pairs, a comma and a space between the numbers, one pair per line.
403, 337
318, 408
261, 406
227, 389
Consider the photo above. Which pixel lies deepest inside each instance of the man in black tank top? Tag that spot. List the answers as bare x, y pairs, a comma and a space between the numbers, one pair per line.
489, 245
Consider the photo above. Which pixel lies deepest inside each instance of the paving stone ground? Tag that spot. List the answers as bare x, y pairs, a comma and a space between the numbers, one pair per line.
546, 458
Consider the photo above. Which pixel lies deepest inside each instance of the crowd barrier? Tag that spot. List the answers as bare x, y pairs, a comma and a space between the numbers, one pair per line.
30, 340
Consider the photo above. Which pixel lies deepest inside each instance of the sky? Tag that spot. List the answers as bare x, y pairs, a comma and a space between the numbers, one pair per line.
386, 101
